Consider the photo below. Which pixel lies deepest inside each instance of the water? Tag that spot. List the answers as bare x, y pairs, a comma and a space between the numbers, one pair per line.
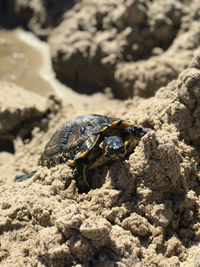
26, 61
21, 63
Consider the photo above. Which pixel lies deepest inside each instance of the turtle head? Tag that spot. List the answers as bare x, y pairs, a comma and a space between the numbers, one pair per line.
114, 148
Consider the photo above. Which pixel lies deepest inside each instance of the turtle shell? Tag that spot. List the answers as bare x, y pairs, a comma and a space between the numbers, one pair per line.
76, 138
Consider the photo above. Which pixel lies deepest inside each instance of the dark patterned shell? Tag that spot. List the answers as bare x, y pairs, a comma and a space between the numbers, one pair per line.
73, 138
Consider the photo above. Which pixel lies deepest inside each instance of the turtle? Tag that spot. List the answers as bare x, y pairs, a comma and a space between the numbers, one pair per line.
87, 142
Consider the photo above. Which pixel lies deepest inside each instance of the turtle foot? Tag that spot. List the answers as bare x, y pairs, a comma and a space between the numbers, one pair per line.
24, 177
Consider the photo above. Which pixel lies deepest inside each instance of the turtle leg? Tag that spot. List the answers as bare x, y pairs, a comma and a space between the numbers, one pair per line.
80, 175
135, 131
24, 177
82, 168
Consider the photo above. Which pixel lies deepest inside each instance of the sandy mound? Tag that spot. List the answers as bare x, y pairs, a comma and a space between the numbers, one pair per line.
18, 106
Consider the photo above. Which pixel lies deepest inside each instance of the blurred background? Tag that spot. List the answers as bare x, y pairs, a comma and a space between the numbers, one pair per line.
121, 48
